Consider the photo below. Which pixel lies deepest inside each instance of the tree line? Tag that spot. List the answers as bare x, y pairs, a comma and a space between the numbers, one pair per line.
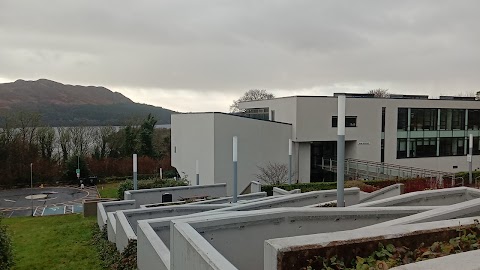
101, 151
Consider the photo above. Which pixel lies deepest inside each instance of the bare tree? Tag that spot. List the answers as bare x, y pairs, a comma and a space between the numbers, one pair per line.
250, 95
380, 93
45, 139
81, 138
27, 123
65, 142
273, 173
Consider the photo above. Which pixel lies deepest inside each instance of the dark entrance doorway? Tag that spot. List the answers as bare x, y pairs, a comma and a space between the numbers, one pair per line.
318, 150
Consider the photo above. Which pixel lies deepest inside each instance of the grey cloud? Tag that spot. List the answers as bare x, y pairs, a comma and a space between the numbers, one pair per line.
231, 46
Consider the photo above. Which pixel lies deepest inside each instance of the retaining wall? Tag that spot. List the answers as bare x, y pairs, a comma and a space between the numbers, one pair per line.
437, 197
239, 237
278, 251
105, 207
154, 195
278, 191
126, 220
384, 193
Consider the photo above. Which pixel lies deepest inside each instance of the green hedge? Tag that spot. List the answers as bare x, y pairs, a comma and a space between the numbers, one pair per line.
304, 187
6, 249
475, 174
150, 183
108, 254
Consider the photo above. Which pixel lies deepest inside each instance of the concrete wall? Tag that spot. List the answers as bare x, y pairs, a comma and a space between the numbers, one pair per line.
279, 192
126, 227
352, 196
111, 226
465, 209
193, 139
154, 195
246, 197
302, 159
191, 251
276, 248
425, 198
259, 142
384, 193
153, 241
249, 230
106, 207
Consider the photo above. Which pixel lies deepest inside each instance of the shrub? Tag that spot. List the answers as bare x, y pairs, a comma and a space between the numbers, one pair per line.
475, 174
6, 250
108, 254
150, 183
273, 173
361, 185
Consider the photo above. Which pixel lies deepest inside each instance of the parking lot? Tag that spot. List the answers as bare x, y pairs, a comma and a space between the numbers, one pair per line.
44, 201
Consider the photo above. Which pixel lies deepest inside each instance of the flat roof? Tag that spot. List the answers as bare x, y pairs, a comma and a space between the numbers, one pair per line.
236, 115
369, 96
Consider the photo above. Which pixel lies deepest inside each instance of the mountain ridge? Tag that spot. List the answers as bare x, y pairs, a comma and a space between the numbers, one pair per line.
71, 105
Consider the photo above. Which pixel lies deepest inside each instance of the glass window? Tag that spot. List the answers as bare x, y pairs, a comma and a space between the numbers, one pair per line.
350, 121
474, 119
423, 119
458, 119
383, 118
452, 119
423, 147
452, 146
401, 148
430, 119
258, 113
476, 145
416, 119
402, 119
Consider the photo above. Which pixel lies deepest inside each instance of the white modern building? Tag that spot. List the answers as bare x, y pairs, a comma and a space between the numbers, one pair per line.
405, 130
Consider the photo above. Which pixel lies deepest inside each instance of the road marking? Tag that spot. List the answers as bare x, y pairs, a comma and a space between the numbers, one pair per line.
7, 200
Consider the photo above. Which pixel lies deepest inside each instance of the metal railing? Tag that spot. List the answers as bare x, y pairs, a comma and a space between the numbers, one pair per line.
363, 169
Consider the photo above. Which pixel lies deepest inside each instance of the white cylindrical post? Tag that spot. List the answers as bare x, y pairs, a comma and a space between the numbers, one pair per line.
31, 186
161, 173
235, 168
197, 172
470, 156
135, 171
341, 150
290, 146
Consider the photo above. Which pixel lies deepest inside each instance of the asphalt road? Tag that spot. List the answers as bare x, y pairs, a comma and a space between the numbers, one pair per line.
16, 198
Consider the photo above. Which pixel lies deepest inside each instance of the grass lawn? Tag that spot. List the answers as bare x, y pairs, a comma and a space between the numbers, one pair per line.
108, 190
53, 242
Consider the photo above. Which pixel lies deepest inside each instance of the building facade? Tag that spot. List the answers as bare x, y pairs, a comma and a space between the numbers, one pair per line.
403, 130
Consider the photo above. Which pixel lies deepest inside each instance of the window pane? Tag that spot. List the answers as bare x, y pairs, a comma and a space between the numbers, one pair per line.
402, 119
401, 148
474, 119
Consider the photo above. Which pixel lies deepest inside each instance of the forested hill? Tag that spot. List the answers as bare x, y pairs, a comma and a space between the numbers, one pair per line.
73, 105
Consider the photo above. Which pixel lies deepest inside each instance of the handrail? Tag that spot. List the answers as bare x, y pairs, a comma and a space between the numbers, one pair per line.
397, 166
376, 169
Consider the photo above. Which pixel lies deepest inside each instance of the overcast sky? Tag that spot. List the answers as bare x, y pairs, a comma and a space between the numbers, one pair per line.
191, 55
